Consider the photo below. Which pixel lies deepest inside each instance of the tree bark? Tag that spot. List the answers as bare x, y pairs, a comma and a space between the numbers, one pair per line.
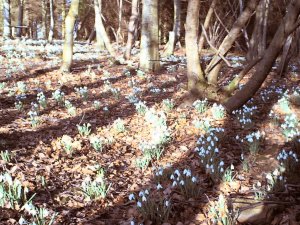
206, 23
6, 20
100, 30
44, 20
175, 34
51, 30
20, 17
68, 43
215, 64
132, 27
194, 71
258, 38
63, 15
263, 68
149, 56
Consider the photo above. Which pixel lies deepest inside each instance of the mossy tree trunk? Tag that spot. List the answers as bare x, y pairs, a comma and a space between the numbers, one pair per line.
68, 43
132, 27
149, 56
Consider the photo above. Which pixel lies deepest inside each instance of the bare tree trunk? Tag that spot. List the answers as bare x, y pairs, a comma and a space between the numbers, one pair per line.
206, 23
68, 43
63, 16
91, 36
51, 30
258, 38
100, 30
44, 20
132, 27
98, 20
194, 71
6, 20
175, 34
215, 64
149, 56
20, 17
119, 36
27, 20
286, 27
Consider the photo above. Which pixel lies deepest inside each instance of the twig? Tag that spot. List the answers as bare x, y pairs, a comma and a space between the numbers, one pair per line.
215, 49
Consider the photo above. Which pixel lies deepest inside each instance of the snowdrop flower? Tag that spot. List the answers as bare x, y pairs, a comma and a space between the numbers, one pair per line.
141, 193
177, 172
221, 163
167, 203
132, 223
174, 183
172, 177
146, 192
144, 199
194, 179
22, 221
258, 184
232, 167
159, 187
139, 204
222, 170
182, 182
131, 197
269, 176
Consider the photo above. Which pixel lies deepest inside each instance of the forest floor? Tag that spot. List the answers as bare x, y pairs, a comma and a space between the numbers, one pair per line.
56, 165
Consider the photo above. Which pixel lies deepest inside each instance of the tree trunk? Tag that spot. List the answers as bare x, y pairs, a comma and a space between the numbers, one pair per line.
20, 17
258, 38
51, 30
44, 20
100, 30
149, 56
68, 43
215, 64
194, 71
6, 20
119, 36
63, 16
132, 27
206, 23
175, 34
286, 27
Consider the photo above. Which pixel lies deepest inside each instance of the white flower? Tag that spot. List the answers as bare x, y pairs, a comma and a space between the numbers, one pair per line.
172, 177
194, 179
139, 204
22, 221
131, 197
174, 183
141, 193
159, 187
144, 199
182, 182
167, 203
146, 192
